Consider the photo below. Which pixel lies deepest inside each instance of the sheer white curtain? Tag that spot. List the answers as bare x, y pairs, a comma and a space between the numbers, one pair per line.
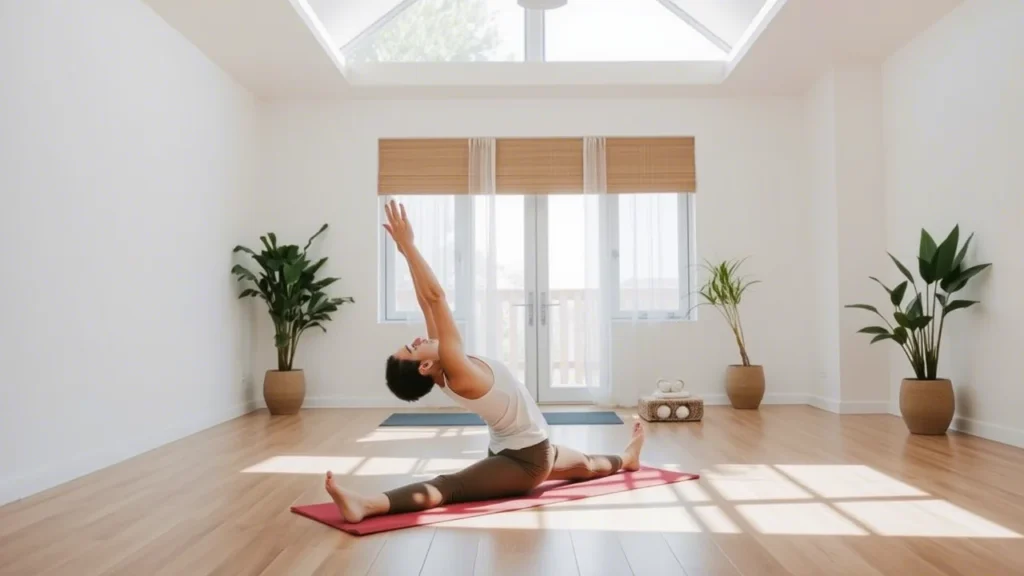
652, 283
485, 317
597, 297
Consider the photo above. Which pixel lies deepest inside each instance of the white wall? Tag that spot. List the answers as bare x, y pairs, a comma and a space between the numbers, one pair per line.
125, 160
847, 199
954, 140
861, 235
824, 221
320, 163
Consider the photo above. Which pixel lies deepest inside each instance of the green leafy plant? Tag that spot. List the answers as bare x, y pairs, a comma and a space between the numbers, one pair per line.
724, 289
294, 296
917, 327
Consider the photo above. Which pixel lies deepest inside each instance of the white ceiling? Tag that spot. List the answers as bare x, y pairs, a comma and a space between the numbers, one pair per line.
266, 45
809, 36
279, 51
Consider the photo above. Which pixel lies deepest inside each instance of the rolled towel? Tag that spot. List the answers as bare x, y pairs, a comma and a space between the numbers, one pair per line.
660, 394
670, 386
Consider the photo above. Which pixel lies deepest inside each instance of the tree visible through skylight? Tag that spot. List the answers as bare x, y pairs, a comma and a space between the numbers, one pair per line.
447, 31
621, 31
580, 31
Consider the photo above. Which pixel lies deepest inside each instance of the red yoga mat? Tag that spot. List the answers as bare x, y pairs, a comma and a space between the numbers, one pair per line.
547, 493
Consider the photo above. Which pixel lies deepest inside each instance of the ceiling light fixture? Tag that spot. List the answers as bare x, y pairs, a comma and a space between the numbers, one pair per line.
542, 4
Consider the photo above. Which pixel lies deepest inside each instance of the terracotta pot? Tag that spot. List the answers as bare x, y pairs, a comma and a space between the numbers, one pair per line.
284, 392
745, 386
927, 405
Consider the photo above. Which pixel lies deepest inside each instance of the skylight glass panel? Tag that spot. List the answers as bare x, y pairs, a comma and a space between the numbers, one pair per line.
622, 31
447, 31
727, 19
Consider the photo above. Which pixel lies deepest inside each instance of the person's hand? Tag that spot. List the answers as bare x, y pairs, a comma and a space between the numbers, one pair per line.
398, 225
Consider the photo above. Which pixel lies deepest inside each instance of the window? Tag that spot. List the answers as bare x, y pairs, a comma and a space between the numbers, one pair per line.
619, 31
446, 31
436, 217
650, 267
649, 257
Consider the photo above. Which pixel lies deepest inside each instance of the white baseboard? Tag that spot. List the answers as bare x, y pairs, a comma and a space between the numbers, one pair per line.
849, 407
771, 399
137, 443
826, 404
864, 407
972, 427
989, 431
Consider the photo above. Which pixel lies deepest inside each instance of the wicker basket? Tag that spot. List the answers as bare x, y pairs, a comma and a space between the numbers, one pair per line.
648, 408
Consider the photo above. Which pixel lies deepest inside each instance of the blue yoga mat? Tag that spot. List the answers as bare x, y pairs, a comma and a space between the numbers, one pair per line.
468, 419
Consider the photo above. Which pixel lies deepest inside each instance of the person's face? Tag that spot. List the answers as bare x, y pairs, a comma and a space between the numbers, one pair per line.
420, 350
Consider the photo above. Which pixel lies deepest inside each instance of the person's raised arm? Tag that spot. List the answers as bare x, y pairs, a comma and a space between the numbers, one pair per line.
430, 293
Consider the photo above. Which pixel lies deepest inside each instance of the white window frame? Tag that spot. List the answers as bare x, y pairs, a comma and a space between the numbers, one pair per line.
684, 205
463, 277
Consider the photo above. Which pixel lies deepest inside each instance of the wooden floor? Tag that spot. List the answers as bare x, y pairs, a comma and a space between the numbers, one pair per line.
785, 490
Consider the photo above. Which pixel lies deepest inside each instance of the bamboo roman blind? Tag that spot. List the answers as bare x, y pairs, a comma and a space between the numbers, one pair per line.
637, 165
423, 166
539, 166
536, 165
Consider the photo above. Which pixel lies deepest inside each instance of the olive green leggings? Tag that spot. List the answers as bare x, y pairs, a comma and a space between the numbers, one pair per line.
506, 474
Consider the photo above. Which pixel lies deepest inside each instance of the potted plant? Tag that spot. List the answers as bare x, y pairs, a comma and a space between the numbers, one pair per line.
723, 289
926, 401
296, 301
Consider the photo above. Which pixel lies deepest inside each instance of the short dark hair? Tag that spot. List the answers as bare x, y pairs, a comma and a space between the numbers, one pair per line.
405, 381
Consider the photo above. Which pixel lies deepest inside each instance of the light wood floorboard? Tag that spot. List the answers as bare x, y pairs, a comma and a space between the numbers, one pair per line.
784, 490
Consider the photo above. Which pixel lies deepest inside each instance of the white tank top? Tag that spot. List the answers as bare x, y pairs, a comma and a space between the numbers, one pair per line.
514, 419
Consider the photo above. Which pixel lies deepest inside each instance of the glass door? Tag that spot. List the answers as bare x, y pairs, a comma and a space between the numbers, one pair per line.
533, 316
505, 282
561, 298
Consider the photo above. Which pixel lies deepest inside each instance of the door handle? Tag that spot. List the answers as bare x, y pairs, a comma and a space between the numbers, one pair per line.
544, 305
529, 308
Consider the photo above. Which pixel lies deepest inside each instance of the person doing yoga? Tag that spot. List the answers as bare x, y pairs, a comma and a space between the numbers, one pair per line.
520, 455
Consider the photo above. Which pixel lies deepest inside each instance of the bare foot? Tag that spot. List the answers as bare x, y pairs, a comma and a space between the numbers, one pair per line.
631, 455
350, 504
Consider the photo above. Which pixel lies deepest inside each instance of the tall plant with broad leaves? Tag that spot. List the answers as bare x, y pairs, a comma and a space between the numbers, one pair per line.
294, 296
917, 326
724, 289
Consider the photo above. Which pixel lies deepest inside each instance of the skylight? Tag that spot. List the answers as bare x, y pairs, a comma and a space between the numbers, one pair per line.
618, 31
432, 31
446, 31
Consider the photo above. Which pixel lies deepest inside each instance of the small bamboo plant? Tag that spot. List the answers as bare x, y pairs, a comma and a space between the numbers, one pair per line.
724, 289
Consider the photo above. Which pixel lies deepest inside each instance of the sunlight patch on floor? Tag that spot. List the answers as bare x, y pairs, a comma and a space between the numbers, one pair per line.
809, 519
844, 500
923, 519
306, 465
848, 481
651, 496
390, 435
752, 482
716, 520
386, 466
691, 492
444, 465
638, 519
